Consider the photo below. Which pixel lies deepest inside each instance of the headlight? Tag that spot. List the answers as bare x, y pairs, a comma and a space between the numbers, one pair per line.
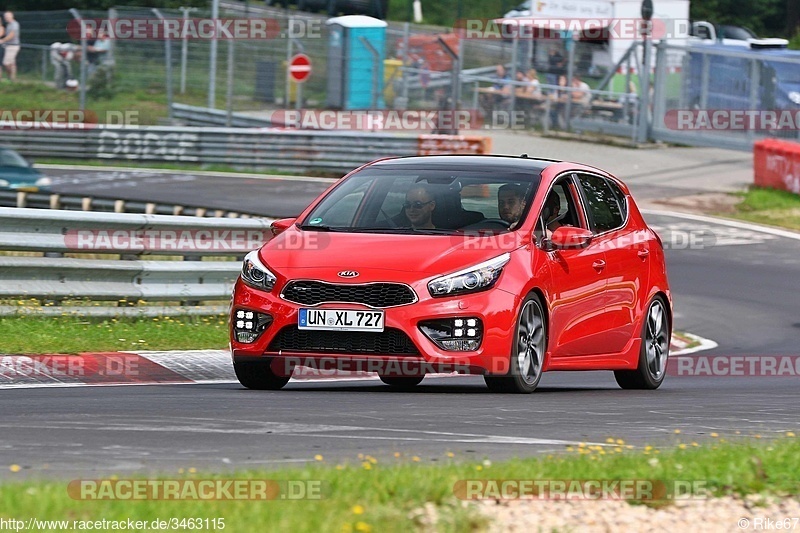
255, 274
794, 96
4, 183
475, 278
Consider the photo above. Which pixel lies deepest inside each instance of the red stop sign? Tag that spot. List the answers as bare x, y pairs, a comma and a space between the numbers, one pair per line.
300, 68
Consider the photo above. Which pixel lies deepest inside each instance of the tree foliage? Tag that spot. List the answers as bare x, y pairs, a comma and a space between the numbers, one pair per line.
768, 18
56, 5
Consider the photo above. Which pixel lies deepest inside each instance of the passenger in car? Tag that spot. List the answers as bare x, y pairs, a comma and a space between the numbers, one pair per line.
551, 211
419, 206
511, 203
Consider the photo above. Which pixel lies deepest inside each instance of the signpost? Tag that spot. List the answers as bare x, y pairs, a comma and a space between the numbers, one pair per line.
299, 71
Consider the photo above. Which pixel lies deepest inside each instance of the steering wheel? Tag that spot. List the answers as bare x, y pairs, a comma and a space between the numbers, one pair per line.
498, 221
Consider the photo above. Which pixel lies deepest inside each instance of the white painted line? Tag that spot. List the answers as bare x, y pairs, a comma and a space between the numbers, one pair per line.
726, 222
185, 171
6, 386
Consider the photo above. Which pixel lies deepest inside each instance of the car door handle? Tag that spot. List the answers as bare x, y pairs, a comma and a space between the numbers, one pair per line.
599, 264
643, 254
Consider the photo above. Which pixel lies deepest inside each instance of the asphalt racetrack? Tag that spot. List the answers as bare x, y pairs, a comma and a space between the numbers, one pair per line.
733, 285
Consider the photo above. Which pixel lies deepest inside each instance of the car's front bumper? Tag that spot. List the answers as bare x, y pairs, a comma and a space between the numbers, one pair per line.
495, 307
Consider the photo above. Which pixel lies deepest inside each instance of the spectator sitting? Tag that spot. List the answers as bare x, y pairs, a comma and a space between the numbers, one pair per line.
533, 88
522, 82
581, 97
501, 79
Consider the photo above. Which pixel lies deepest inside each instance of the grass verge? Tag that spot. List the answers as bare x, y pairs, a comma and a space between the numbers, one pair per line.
72, 334
769, 206
372, 495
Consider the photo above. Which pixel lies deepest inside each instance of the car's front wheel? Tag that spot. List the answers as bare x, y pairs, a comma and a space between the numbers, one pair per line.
527, 353
402, 382
654, 353
259, 376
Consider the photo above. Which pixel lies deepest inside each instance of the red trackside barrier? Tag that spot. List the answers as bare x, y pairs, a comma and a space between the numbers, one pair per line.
777, 164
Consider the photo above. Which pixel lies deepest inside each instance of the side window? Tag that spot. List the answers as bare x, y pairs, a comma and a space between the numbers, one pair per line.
558, 210
602, 203
621, 201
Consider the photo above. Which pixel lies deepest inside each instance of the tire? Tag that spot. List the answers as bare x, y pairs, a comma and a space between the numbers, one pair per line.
654, 354
259, 376
527, 353
402, 382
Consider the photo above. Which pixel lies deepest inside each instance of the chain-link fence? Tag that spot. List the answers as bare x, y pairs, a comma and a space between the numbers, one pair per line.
726, 96
552, 82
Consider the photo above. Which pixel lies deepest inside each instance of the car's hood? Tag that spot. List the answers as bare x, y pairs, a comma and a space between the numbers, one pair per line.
295, 250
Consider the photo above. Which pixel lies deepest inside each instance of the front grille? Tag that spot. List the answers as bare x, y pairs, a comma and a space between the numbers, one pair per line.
388, 342
306, 292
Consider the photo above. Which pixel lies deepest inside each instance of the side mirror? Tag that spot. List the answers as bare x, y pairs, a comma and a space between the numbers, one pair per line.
570, 237
279, 226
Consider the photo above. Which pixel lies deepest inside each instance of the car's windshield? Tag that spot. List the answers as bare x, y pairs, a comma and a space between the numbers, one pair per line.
736, 32
9, 158
386, 199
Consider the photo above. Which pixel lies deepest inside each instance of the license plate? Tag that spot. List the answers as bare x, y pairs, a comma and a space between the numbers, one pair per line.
340, 320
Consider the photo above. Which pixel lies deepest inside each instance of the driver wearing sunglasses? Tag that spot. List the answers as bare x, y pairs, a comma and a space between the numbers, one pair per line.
419, 206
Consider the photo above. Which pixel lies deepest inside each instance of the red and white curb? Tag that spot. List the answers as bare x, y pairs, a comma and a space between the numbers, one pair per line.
174, 367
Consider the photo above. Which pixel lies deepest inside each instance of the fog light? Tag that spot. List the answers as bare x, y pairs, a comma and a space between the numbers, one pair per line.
449, 333
249, 325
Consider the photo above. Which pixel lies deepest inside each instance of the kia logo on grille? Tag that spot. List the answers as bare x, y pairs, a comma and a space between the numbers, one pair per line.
348, 274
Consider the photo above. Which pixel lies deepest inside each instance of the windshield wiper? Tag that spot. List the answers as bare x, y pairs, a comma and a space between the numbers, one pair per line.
436, 231
320, 227
405, 230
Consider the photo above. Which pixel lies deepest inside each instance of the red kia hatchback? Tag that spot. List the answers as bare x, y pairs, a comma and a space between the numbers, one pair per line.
502, 266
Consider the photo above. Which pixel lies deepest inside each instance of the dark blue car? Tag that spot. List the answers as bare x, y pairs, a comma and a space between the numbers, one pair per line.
730, 81
17, 173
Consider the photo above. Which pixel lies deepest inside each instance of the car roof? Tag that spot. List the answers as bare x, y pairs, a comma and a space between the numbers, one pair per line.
470, 162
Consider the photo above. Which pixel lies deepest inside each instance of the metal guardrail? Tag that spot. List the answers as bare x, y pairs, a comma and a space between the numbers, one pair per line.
304, 151
55, 277
12, 198
287, 150
205, 116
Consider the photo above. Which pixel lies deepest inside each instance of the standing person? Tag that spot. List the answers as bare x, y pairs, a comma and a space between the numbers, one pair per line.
11, 44
555, 64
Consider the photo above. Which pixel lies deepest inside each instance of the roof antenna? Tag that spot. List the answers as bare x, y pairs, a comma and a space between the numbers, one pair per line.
524, 156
